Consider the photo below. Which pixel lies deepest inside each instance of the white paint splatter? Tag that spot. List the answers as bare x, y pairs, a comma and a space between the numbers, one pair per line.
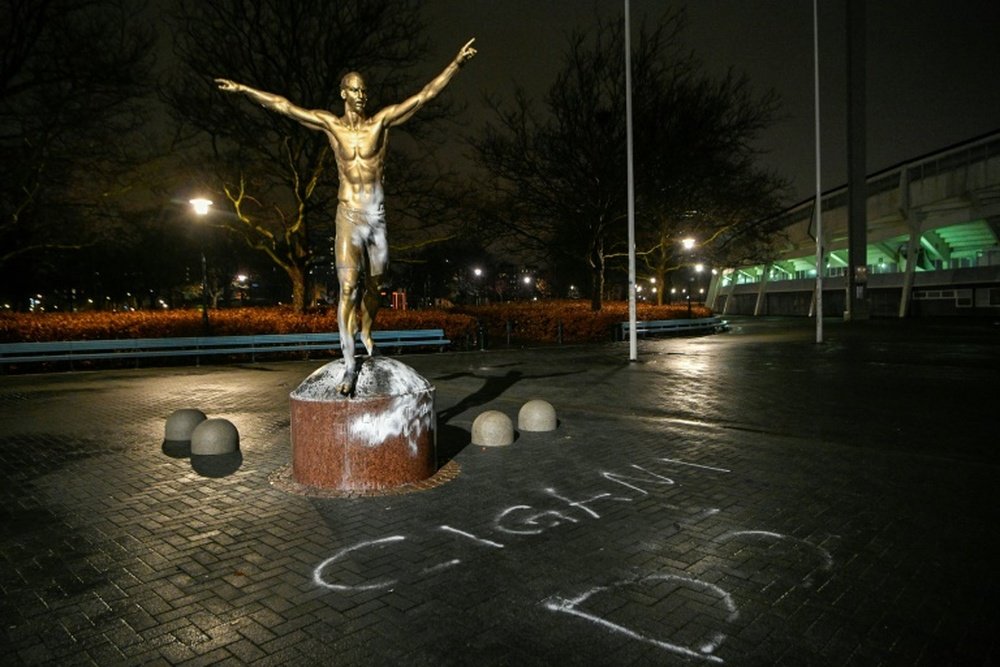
441, 566
480, 540
695, 465
824, 555
553, 518
378, 377
807, 581
410, 414
651, 477
318, 572
582, 504
407, 416
705, 650
498, 522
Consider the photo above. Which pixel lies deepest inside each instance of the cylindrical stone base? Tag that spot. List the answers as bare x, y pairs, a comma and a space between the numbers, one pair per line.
380, 438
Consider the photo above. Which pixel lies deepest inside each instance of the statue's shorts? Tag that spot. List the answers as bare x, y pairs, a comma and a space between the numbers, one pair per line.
361, 238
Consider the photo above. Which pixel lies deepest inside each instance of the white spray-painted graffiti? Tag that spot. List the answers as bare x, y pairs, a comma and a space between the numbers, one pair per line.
705, 648
408, 416
523, 521
369, 586
790, 543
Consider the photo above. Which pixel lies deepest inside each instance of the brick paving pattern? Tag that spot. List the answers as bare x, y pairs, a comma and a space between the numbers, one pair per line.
747, 498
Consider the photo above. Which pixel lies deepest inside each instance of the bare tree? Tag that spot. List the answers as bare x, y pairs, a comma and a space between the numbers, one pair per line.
279, 178
560, 174
72, 77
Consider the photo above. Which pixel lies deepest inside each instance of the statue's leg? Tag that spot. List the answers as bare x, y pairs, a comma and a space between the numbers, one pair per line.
378, 261
369, 309
347, 325
348, 260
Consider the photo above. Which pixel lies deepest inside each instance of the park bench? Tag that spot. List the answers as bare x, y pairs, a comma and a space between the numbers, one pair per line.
200, 346
696, 325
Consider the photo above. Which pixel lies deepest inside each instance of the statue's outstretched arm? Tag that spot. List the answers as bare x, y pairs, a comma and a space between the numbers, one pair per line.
400, 113
274, 102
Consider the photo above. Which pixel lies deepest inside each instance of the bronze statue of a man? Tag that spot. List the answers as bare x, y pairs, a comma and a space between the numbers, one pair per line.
359, 142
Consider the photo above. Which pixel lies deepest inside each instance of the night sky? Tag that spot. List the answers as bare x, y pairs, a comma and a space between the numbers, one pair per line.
931, 66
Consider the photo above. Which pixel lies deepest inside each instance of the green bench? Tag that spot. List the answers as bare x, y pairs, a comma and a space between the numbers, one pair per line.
200, 346
696, 325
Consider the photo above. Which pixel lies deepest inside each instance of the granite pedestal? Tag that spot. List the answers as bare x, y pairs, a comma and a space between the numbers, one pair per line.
381, 437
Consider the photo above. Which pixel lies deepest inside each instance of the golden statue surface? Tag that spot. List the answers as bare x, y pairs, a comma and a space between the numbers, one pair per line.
359, 143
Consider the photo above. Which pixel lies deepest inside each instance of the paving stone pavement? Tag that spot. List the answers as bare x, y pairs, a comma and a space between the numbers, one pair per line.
747, 498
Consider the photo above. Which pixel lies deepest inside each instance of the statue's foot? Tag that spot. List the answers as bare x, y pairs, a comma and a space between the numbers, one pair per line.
348, 381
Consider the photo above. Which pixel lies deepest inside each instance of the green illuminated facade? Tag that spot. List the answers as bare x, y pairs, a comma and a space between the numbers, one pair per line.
933, 245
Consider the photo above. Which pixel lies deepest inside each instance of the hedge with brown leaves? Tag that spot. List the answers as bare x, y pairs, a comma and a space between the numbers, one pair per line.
535, 322
228, 322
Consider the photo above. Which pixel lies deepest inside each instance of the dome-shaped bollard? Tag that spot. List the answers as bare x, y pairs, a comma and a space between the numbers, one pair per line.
536, 415
492, 429
215, 448
180, 425
215, 436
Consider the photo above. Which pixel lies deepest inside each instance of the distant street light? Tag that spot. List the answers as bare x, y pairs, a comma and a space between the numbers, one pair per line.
477, 273
242, 287
201, 207
688, 244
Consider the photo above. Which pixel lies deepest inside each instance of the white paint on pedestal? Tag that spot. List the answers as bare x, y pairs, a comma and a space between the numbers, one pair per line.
410, 413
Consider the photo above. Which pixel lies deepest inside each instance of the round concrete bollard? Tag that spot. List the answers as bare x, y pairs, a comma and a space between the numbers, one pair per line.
215, 448
215, 436
492, 429
181, 424
536, 415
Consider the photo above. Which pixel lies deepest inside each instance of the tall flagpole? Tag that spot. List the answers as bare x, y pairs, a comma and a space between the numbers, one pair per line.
818, 209
633, 352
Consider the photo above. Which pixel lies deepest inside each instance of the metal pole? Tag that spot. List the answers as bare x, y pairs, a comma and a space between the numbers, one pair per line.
820, 262
201, 207
857, 197
204, 294
633, 351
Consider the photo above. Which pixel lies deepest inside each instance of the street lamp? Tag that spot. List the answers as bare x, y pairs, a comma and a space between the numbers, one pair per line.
688, 243
698, 268
477, 273
243, 287
201, 207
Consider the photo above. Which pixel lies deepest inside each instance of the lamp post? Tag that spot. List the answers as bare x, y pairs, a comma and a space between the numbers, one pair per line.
201, 207
688, 244
477, 274
698, 268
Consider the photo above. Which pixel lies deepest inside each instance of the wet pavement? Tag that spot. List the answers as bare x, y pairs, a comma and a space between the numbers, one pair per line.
746, 498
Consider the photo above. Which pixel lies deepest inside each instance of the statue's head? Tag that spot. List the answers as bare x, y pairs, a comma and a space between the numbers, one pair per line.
354, 92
